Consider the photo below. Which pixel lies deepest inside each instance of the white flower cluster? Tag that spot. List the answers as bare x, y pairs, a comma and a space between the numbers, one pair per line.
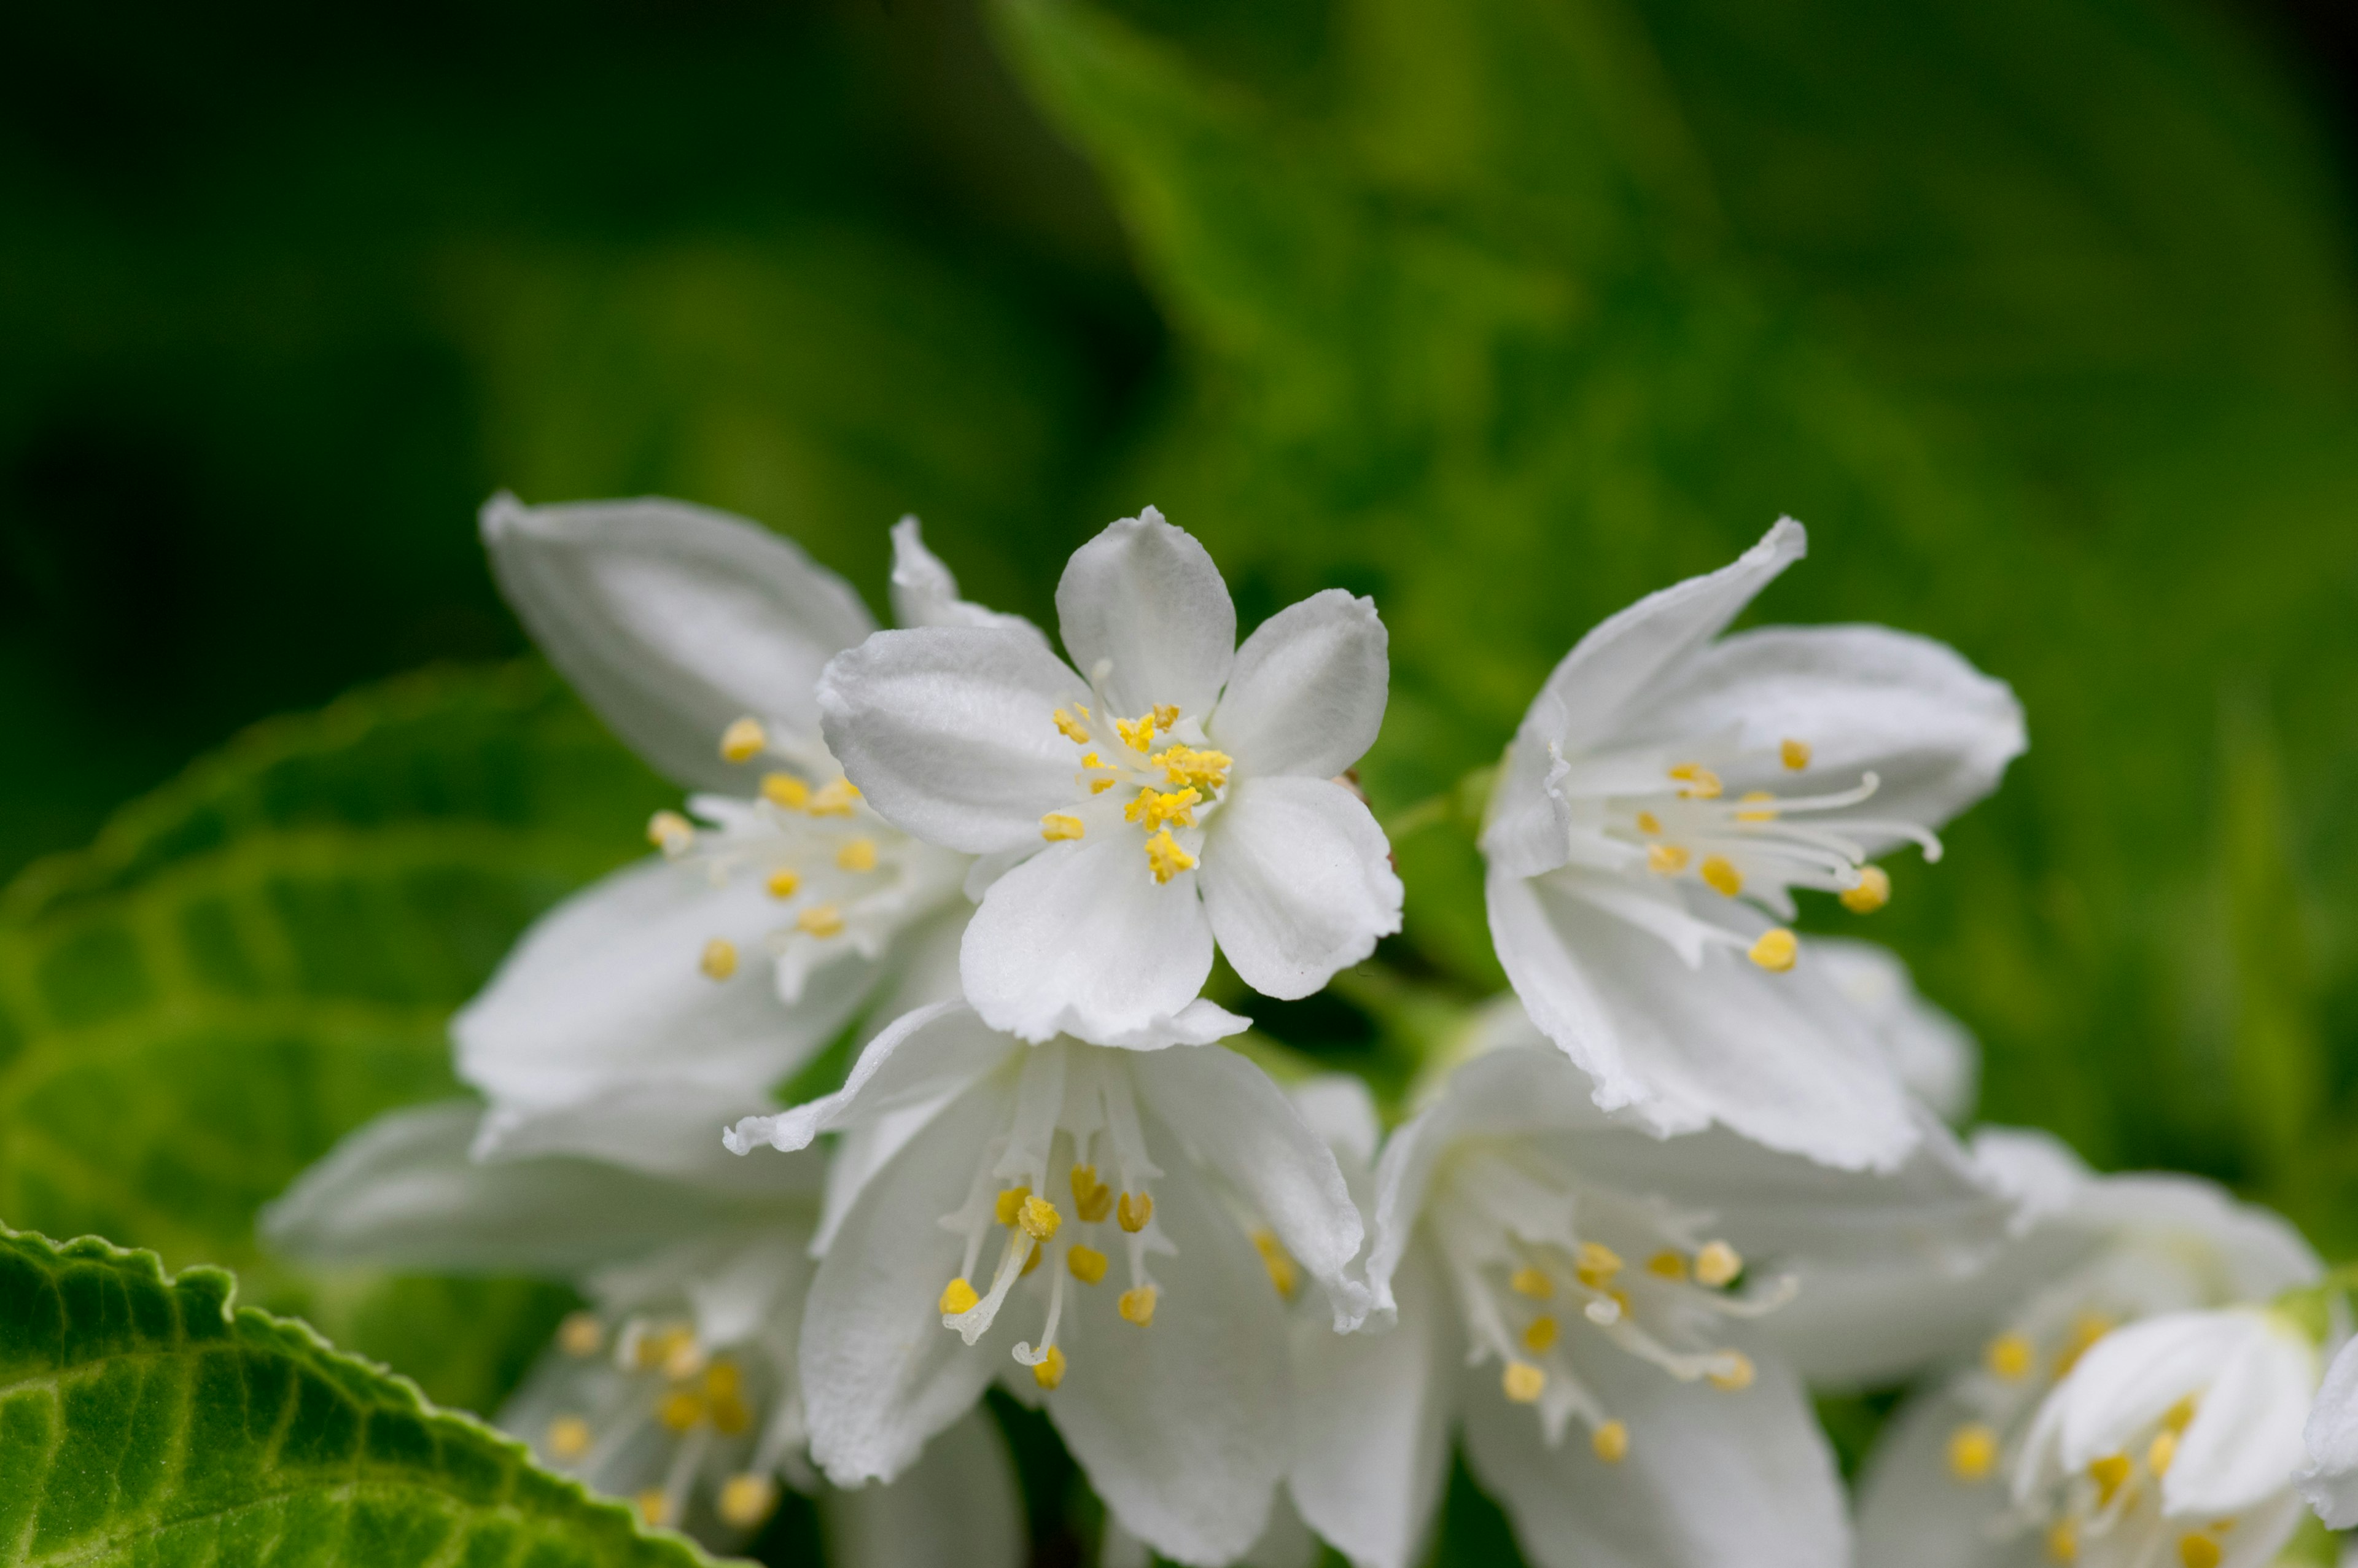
1695, 1167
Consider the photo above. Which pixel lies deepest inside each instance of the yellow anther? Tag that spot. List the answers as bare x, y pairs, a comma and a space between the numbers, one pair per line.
1776, 950
1973, 1451
2176, 1417
568, 1437
1762, 803
857, 855
746, 1500
1058, 825
2009, 1355
1873, 890
1154, 809
958, 1296
1701, 782
1087, 1264
2063, 1541
1050, 1369
836, 799
1030, 1260
785, 791
2086, 1329
784, 883
1166, 858
1282, 1271
1007, 1208
2160, 1452
1165, 715
1097, 1206
1541, 1335
1794, 754
1039, 1218
1523, 1382
652, 1508
1734, 1372
685, 1359
731, 1417
1721, 875
1072, 730
1611, 1441
1717, 1264
1084, 1182
743, 741
1532, 1282
652, 1350
1596, 1264
1137, 734
581, 1334
680, 1410
1648, 823
722, 1380
1665, 860
2198, 1551
671, 832
2110, 1474
1667, 1265
820, 919
1134, 1210
1138, 1305
720, 959
1187, 765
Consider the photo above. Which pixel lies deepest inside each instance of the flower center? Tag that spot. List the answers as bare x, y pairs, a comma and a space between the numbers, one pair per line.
1156, 765
2110, 1512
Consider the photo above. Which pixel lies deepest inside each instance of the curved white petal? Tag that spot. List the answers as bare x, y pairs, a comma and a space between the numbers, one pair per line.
925, 594
1341, 1110
921, 1058
2330, 1481
2244, 1442
1780, 1058
957, 1503
1933, 1055
1081, 940
1145, 596
1298, 881
657, 1125
880, 1373
673, 620
950, 732
1239, 1124
1913, 1509
1307, 693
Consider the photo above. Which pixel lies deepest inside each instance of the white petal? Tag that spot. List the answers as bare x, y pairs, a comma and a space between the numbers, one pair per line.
1082, 940
950, 732
673, 620
1935, 731
1341, 1110
925, 594
1307, 693
2244, 1442
2250, 1253
1711, 1477
1913, 1511
1933, 1053
2330, 1480
657, 1125
956, 1505
1584, 705
1372, 1413
1298, 881
922, 1057
1181, 1426
1780, 1058
1239, 1124
606, 989
880, 1373
1146, 596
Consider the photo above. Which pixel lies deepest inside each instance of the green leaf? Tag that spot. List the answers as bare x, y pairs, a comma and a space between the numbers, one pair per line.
143, 1420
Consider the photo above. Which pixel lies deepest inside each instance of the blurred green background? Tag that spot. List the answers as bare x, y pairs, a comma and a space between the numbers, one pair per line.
2042, 314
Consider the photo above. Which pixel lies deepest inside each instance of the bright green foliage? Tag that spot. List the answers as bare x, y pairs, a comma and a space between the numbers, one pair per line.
143, 1422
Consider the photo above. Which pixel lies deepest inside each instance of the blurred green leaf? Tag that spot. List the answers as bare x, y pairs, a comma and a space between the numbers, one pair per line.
142, 1420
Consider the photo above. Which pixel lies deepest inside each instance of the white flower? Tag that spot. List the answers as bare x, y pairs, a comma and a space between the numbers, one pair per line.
1667, 781
2330, 1480
676, 1390
2091, 1254
1099, 1228
1179, 792
2174, 1438
1548, 1267
699, 639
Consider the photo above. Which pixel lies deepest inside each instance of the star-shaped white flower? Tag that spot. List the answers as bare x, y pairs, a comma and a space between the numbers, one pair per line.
1177, 791
1668, 790
782, 905
1112, 1233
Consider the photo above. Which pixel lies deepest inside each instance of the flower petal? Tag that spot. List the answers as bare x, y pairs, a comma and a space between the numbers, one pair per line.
2330, 1480
1913, 1510
1239, 1124
1934, 1056
1146, 596
950, 732
2244, 1442
957, 1503
1081, 940
1298, 881
1780, 1058
657, 1125
673, 621
922, 1057
880, 1374
1307, 693
925, 594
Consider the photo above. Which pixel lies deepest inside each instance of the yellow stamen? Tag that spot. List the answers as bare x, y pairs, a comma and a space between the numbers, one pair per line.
2176, 1417
1155, 809
785, 791
685, 1359
671, 833
1723, 876
1734, 1374
1136, 1305
1071, 729
2063, 1541
821, 920
1648, 823
1087, 1264
1873, 890
1166, 858
653, 1349
652, 1508
680, 1410
1611, 1441
836, 799
2158, 1454
731, 1417
857, 855
1203, 769
1973, 1451
2086, 1329
1665, 860
722, 1380
1282, 1271
784, 883
581, 1334
1137, 734
1134, 1210
1058, 825
720, 959
743, 741
1165, 715
1794, 754
1523, 1382
1531, 1283
2198, 1551
1540, 1335
1701, 782
2009, 1355
2109, 1473
1667, 1265
568, 1437
1039, 1218
1717, 1264
1050, 1371
746, 1500
1776, 950
1759, 813
1007, 1208
1098, 1205
1596, 1265
958, 1296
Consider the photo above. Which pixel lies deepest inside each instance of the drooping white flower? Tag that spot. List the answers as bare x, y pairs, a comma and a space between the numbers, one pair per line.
2330, 1480
1549, 1268
1668, 790
1100, 1229
1179, 791
676, 1389
2090, 1255
782, 904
